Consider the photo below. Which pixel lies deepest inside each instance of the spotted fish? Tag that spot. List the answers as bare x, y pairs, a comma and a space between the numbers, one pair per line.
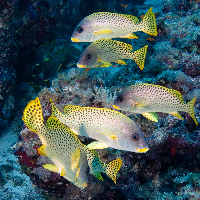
70, 157
102, 52
107, 25
147, 99
110, 128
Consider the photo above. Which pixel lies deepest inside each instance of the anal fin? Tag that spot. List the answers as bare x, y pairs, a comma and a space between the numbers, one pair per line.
121, 62
151, 116
131, 36
176, 114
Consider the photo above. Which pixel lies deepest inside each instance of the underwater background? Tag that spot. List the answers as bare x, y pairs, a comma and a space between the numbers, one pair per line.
37, 58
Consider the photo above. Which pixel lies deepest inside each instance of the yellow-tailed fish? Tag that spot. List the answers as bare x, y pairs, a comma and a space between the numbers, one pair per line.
107, 25
70, 157
102, 52
110, 128
147, 99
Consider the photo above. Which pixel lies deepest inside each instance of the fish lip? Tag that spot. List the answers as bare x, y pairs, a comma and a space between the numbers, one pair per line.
116, 107
144, 150
75, 39
81, 66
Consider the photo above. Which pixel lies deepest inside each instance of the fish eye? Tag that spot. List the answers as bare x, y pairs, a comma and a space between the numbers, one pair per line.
88, 57
120, 98
79, 30
135, 137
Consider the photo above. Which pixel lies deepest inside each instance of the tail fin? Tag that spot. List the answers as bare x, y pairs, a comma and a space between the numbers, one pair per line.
32, 116
190, 110
96, 165
139, 56
112, 168
148, 23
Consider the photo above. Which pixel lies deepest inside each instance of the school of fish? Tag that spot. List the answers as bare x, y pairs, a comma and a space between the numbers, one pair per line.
108, 127
71, 158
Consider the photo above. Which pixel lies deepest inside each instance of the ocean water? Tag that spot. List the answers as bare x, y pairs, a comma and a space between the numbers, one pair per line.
38, 59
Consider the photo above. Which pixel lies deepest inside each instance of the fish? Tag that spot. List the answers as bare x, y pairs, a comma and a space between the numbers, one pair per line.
70, 157
102, 52
147, 99
108, 127
106, 25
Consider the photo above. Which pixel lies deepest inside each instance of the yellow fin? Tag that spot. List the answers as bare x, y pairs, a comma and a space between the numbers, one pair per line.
112, 169
190, 110
131, 36
75, 157
132, 18
139, 56
105, 64
51, 167
62, 173
69, 109
101, 32
98, 175
128, 47
32, 116
175, 93
148, 23
121, 62
96, 145
176, 114
42, 150
151, 116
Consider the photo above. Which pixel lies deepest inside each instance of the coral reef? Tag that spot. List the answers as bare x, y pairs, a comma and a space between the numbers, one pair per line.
36, 49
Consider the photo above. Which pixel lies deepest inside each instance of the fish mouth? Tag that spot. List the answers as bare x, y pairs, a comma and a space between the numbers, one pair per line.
75, 40
144, 150
116, 107
81, 66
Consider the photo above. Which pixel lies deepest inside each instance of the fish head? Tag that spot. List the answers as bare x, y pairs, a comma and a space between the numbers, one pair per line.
132, 139
89, 58
124, 101
83, 32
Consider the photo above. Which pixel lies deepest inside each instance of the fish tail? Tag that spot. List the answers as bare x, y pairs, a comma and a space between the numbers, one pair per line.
32, 116
190, 110
112, 168
139, 56
148, 23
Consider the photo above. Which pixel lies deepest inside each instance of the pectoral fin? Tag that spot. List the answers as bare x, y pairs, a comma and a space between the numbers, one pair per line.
51, 167
42, 150
176, 114
75, 157
101, 32
131, 36
104, 64
96, 145
121, 62
151, 116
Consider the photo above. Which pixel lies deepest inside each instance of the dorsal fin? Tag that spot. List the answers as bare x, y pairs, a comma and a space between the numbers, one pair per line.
69, 109
133, 18
32, 116
128, 47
